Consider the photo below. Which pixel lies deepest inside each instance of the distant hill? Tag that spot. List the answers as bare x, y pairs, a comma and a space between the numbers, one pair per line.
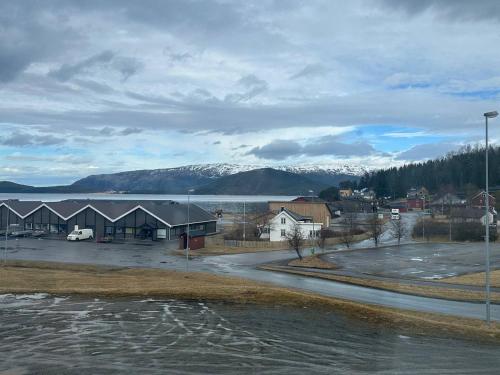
261, 182
178, 180
12, 187
202, 178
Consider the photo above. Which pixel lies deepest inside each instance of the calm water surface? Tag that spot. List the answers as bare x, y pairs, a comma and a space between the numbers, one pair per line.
71, 335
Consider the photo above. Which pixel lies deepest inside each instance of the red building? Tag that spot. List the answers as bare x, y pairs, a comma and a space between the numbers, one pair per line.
196, 240
479, 200
414, 203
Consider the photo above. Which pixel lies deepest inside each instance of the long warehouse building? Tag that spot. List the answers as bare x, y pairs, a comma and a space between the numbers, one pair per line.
118, 219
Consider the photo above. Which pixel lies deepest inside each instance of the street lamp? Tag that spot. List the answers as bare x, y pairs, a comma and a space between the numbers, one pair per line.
6, 236
314, 233
488, 115
187, 238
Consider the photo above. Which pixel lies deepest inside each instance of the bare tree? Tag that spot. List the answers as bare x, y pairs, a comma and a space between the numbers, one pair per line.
375, 228
321, 239
295, 239
349, 225
398, 229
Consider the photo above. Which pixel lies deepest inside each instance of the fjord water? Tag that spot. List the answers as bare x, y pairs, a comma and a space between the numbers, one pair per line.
74, 335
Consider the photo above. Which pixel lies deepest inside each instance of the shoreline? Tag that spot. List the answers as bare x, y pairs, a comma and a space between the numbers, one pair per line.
24, 277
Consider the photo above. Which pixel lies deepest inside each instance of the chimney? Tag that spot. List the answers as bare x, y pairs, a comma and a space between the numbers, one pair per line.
282, 208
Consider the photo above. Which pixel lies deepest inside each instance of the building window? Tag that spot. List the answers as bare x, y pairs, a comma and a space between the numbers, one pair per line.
283, 233
283, 220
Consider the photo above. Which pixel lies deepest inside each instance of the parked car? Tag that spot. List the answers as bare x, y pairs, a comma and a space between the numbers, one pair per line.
80, 234
395, 214
22, 233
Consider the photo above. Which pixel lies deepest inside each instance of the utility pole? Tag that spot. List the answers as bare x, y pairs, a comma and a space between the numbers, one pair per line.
313, 233
187, 238
487, 115
423, 218
6, 236
244, 220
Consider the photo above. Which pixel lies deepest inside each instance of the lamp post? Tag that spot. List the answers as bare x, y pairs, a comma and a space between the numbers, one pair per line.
187, 238
487, 115
6, 236
314, 232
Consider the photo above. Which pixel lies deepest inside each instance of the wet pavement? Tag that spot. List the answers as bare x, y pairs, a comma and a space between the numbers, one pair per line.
425, 261
74, 335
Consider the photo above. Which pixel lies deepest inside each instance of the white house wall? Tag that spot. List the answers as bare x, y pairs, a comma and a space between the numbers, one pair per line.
276, 227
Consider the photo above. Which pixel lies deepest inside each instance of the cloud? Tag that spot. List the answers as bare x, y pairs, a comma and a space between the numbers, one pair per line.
312, 70
324, 146
276, 150
406, 80
128, 131
427, 151
20, 139
329, 145
127, 66
68, 71
216, 143
452, 10
253, 85
109, 132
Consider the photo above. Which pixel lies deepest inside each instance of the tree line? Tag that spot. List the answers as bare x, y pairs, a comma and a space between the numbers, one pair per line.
460, 171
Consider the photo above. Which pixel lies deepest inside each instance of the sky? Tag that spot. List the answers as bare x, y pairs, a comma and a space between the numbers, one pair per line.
89, 87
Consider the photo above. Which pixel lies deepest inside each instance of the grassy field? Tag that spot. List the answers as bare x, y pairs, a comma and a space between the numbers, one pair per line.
62, 279
418, 290
475, 279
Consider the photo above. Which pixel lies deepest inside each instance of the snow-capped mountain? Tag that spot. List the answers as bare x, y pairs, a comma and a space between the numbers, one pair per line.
269, 179
225, 169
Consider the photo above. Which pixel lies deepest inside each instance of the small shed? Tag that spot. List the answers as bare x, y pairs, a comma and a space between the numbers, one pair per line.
196, 240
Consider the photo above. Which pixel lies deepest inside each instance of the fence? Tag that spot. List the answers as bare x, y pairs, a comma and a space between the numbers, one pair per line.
219, 241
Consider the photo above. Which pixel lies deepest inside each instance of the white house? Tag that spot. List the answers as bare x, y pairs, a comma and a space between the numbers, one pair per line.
284, 222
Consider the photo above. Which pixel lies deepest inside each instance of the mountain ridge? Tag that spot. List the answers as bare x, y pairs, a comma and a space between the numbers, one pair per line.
177, 180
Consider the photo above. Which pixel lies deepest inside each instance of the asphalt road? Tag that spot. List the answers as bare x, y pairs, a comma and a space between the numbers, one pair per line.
241, 265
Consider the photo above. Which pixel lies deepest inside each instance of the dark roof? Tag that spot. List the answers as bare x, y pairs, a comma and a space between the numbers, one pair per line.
22, 207
66, 208
168, 211
309, 199
296, 216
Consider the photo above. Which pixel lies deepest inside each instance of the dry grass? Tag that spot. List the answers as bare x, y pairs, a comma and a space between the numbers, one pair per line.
312, 262
226, 250
61, 279
417, 290
475, 279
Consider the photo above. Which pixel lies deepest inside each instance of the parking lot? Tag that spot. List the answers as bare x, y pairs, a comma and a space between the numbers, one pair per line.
128, 254
428, 261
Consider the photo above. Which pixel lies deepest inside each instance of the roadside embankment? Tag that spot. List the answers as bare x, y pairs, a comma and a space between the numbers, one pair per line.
62, 279
448, 292
478, 278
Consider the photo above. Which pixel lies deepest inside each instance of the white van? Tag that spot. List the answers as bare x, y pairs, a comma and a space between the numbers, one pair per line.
80, 234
